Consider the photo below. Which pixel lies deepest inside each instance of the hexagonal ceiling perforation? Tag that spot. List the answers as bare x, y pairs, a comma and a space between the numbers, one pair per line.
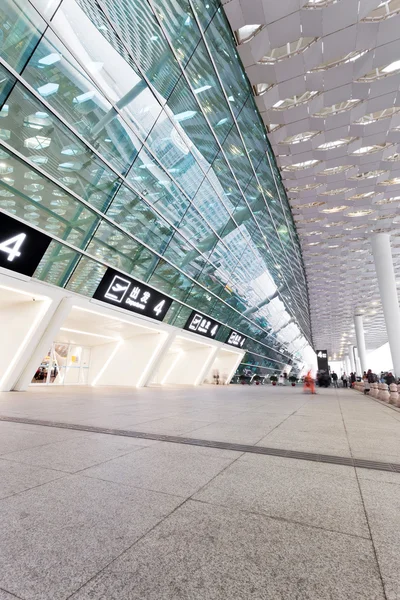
326, 75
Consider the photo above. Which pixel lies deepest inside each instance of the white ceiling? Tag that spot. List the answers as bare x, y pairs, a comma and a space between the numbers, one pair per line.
328, 71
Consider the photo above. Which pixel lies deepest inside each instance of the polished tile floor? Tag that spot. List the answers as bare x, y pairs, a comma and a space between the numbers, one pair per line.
104, 517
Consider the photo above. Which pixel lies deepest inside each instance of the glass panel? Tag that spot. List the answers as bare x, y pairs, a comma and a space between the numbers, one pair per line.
170, 281
171, 146
138, 218
42, 372
198, 232
150, 180
223, 51
180, 25
122, 252
116, 76
45, 140
27, 194
132, 21
57, 77
187, 113
207, 89
21, 28
182, 254
57, 264
86, 277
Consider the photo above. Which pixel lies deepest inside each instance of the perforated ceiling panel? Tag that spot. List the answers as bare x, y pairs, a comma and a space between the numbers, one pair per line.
326, 77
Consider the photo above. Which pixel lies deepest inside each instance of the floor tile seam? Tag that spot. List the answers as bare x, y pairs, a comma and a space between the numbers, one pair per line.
11, 593
133, 487
280, 519
64, 476
366, 515
115, 558
149, 531
68, 472
47, 443
281, 423
218, 445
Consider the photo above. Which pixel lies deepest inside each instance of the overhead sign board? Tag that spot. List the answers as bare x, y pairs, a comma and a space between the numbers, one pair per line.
121, 290
322, 357
202, 325
236, 339
21, 247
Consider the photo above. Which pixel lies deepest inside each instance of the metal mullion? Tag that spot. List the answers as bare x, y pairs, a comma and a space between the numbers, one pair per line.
235, 122
211, 129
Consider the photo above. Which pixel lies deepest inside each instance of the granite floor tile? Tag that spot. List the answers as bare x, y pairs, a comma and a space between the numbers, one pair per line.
227, 432
282, 489
16, 477
170, 468
204, 552
18, 438
56, 537
382, 504
74, 455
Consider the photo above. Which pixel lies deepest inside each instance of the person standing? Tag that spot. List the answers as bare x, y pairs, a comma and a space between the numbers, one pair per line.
334, 379
344, 380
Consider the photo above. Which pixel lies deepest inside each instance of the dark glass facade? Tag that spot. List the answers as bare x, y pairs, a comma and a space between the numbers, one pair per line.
129, 134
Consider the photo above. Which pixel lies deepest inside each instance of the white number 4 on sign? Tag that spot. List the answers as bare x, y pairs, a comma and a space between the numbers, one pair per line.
157, 309
12, 246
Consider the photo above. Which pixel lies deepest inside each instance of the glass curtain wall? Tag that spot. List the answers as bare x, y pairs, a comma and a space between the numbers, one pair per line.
129, 134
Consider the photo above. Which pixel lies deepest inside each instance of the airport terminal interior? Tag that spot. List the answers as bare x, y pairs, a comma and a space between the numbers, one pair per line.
199, 299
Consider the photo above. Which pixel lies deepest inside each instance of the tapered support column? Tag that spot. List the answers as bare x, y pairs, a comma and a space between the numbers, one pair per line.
351, 359
347, 365
382, 253
362, 351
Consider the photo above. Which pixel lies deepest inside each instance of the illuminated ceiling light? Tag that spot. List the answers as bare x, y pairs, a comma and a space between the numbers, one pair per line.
247, 32
386, 9
300, 137
37, 143
360, 213
361, 196
394, 181
335, 192
336, 143
301, 165
310, 205
370, 149
394, 157
48, 89
261, 88
378, 116
294, 101
343, 60
368, 175
335, 109
335, 170
304, 188
334, 209
287, 50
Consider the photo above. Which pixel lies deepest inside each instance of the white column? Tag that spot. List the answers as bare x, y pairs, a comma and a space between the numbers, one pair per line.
382, 253
357, 361
348, 367
362, 351
48, 337
351, 359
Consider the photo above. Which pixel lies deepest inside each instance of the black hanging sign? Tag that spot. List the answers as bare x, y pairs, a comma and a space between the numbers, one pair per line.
202, 325
21, 247
236, 339
322, 357
133, 295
